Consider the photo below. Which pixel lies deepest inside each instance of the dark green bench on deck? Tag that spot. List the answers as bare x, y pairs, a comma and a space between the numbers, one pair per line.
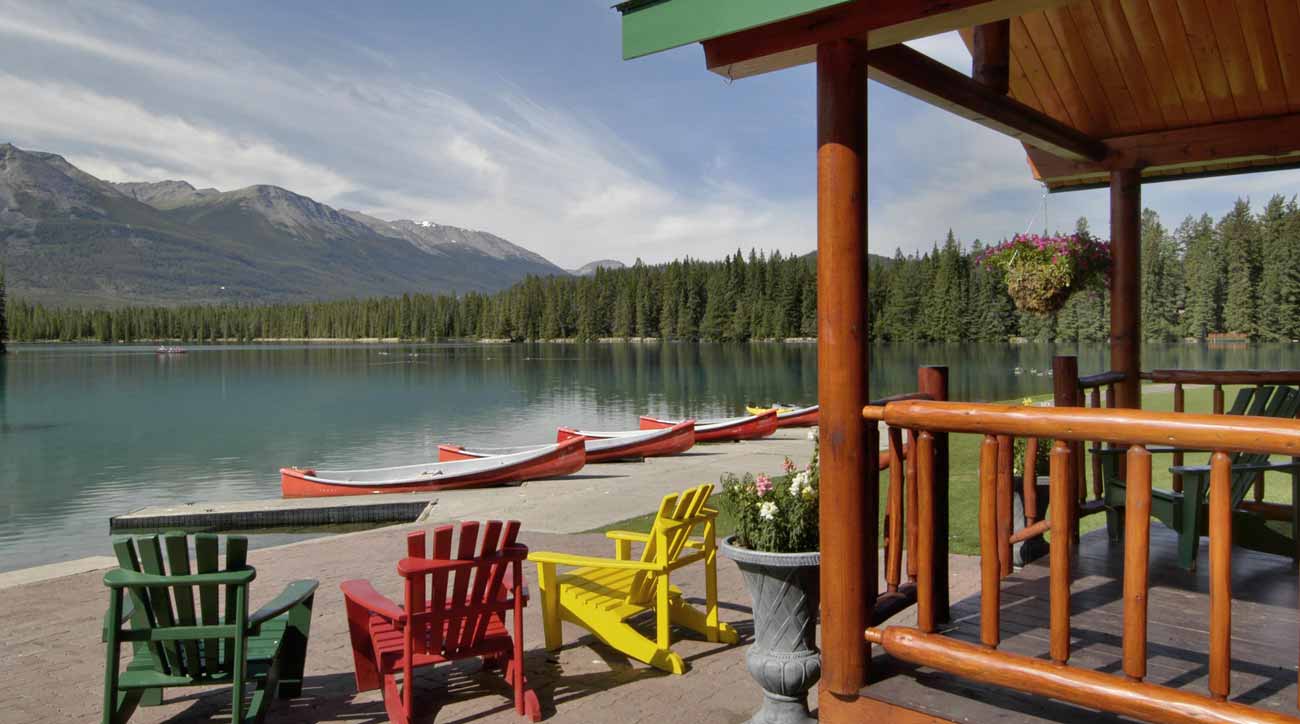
173, 643
1186, 512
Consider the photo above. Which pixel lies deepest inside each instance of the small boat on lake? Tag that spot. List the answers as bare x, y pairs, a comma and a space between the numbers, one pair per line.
171, 350
750, 427
546, 461
790, 415
602, 447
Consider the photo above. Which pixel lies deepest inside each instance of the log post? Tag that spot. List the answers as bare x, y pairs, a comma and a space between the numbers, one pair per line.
991, 57
1126, 284
933, 381
848, 511
1065, 393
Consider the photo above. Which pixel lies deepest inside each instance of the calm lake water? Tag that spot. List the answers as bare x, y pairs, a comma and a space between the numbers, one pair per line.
91, 431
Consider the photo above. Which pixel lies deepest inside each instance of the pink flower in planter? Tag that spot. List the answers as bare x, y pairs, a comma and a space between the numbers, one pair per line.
763, 484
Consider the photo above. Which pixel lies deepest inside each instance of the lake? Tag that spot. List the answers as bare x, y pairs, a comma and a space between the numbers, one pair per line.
91, 431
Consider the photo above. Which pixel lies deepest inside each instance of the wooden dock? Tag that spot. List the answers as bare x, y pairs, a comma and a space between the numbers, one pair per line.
291, 513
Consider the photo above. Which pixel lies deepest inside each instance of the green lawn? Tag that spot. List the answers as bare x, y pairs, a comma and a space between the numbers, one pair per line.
963, 479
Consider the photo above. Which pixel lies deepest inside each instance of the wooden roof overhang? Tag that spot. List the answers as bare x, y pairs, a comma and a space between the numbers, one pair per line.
1174, 89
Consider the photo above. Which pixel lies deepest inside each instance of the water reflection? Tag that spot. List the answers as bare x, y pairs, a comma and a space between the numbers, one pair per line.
90, 431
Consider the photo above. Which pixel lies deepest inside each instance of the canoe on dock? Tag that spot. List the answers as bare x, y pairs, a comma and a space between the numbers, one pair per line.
547, 461
661, 442
790, 415
750, 427
608, 447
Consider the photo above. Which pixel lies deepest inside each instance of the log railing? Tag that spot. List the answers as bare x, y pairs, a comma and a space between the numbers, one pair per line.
903, 515
1128, 694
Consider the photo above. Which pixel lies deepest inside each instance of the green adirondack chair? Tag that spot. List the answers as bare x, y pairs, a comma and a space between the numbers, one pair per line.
153, 609
1187, 512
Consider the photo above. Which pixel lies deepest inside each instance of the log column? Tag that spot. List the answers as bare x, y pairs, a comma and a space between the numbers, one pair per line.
1126, 284
991, 56
848, 474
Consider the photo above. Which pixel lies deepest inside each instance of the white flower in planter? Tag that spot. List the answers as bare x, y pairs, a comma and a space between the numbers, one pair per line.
767, 510
799, 482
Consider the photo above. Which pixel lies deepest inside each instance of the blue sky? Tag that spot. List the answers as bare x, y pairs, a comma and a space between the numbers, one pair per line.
515, 117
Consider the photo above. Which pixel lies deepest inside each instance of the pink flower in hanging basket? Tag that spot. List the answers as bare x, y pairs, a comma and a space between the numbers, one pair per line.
1043, 271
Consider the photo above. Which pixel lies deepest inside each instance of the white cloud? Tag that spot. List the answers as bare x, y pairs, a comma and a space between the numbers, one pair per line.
947, 48
135, 93
128, 136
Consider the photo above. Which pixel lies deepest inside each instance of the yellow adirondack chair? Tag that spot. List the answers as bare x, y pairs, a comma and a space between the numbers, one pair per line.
600, 594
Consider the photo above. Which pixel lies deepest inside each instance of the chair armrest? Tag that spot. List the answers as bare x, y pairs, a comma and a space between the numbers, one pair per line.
122, 578
420, 566
627, 535
1153, 449
292, 595
565, 559
1257, 468
364, 595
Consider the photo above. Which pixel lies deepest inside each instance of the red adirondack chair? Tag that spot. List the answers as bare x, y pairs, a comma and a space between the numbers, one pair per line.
454, 609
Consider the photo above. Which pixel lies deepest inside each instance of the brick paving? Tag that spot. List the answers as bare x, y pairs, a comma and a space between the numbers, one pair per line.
52, 666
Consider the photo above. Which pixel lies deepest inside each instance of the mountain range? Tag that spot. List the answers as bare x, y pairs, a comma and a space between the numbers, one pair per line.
67, 237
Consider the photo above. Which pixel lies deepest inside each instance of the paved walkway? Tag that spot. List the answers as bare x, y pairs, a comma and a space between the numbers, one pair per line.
52, 666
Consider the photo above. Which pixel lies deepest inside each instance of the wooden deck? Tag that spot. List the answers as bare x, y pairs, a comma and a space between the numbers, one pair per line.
1264, 642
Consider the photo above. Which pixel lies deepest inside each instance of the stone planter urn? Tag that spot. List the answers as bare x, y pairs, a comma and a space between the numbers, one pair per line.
784, 658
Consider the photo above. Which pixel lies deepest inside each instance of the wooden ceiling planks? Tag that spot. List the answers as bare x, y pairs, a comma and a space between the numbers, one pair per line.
1284, 19
1234, 57
1122, 68
1264, 62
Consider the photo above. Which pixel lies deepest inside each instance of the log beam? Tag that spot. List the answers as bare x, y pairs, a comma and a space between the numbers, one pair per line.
879, 24
1231, 142
848, 512
920, 76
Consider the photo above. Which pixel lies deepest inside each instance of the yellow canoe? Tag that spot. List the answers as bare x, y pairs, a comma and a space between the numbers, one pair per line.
760, 410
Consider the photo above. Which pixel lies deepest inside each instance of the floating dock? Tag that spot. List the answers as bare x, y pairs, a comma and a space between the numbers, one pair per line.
291, 513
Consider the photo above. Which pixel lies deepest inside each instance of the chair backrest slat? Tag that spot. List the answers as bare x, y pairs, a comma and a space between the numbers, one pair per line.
466, 546
141, 612
171, 605
236, 557
177, 547
1284, 404
482, 575
160, 599
683, 508
1242, 401
416, 547
206, 560
455, 618
494, 591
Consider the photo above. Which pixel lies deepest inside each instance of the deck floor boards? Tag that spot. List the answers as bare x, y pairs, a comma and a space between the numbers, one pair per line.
1264, 626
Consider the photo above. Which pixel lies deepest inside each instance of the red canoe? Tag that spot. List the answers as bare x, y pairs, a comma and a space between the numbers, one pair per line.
661, 442
749, 427
548, 461
798, 417
613, 446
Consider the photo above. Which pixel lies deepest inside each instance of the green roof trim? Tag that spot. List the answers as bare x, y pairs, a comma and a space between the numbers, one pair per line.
651, 26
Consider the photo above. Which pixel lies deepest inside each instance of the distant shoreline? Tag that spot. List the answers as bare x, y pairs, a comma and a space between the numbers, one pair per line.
396, 340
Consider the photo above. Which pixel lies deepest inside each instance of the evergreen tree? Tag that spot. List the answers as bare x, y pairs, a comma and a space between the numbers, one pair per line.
1239, 241
1204, 270
946, 296
1162, 280
1279, 280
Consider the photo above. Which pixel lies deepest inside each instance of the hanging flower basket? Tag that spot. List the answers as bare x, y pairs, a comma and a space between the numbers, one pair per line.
1043, 271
